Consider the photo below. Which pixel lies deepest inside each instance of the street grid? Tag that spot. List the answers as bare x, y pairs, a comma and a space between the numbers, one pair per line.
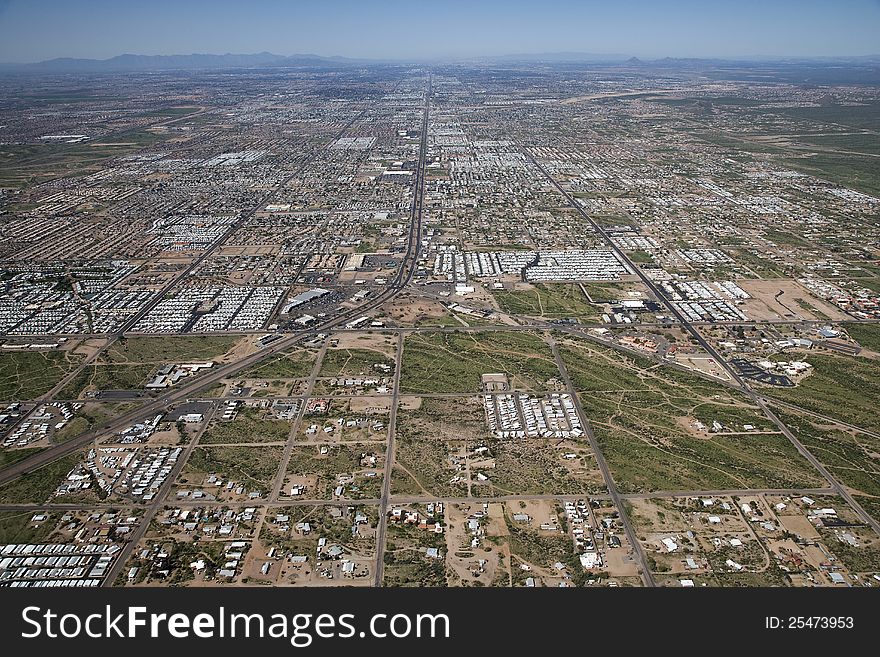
188, 391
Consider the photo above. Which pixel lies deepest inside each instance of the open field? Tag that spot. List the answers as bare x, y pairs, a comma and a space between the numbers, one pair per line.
10, 456
853, 457
36, 486
605, 292
653, 426
252, 468
547, 301
29, 374
169, 350
355, 362
842, 387
130, 362
860, 172
533, 467
249, 426
454, 362
433, 439
96, 377
430, 468
646, 450
359, 354
456, 418
18, 526
30, 164
867, 335
296, 364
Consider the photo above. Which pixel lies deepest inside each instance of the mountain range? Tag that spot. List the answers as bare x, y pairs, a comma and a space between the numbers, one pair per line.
207, 62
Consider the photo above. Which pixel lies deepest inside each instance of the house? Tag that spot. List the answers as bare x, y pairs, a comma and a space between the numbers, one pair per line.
671, 546
335, 551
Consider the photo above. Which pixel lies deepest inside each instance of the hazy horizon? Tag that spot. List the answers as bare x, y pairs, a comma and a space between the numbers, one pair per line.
37, 30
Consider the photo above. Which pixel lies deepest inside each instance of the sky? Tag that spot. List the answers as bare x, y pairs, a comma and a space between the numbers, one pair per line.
35, 30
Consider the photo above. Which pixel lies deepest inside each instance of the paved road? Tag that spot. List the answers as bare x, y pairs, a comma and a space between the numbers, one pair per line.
638, 551
294, 430
382, 526
423, 499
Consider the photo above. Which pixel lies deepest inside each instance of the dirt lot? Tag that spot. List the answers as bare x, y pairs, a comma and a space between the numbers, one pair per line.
798, 524
88, 348
705, 365
241, 349
408, 310
619, 563
381, 342
795, 303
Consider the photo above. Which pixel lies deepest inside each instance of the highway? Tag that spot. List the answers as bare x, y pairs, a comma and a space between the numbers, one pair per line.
183, 392
403, 277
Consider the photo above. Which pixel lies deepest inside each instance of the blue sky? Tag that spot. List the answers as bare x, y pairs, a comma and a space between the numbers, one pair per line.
32, 30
